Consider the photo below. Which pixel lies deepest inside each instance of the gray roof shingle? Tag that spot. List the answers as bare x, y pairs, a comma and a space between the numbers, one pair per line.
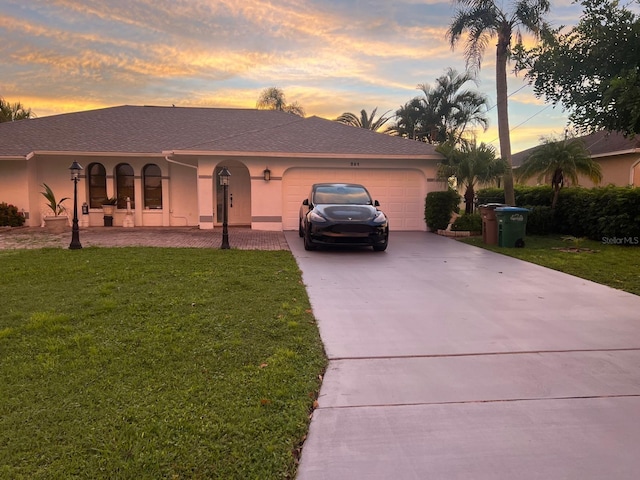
152, 130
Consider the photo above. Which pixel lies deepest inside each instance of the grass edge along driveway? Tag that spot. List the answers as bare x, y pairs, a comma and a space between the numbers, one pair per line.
154, 363
608, 264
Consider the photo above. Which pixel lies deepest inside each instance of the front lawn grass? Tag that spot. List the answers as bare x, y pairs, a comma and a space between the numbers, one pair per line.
151, 363
612, 265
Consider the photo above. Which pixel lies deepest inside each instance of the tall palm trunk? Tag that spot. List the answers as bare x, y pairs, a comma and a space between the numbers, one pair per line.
469, 196
557, 181
504, 39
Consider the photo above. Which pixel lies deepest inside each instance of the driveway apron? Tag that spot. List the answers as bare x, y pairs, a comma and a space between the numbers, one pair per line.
452, 362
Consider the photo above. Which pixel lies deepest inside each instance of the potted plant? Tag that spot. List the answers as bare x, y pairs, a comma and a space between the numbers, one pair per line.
108, 207
56, 223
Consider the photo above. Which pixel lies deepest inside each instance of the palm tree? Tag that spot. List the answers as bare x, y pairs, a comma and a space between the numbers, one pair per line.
472, 165
482, 20
12, 112
365, 121
409, 121
452, 107
273, 98
559, 160
444, 112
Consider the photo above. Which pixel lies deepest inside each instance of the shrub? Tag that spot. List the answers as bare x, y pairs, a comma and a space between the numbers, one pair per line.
9, 216
599, 212
539, 195
490, 195
438, 208
471, 222
540, 220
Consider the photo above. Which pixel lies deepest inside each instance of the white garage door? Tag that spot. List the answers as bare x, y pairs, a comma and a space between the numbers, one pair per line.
401, 193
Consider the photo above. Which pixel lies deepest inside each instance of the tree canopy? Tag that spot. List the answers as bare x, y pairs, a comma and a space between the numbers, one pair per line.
593, 70
445, 111
10, 112
557, 160
472, 165
369, 122
273, 98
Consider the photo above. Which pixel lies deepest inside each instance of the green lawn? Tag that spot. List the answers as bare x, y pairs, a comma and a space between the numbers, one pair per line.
146, 363
613, 265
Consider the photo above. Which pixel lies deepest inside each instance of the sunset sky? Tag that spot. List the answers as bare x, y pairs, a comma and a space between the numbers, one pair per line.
330, 56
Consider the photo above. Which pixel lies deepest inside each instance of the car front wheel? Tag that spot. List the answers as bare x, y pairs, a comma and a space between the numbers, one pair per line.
379, 248
307, 242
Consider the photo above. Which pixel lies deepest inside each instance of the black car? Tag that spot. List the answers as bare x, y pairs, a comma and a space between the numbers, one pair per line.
342, 214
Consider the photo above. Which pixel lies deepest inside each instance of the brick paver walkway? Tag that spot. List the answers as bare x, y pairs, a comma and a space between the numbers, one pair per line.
239, 238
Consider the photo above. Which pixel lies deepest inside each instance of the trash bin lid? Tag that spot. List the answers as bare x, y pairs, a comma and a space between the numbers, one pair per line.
492, 205
512, 209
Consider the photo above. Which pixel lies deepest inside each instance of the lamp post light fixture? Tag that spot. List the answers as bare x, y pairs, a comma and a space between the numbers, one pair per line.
224, 181
75, 170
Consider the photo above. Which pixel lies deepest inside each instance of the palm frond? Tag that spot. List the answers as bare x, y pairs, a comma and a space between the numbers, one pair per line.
570, 157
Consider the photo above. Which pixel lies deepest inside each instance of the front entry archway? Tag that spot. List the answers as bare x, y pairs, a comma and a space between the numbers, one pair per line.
239, 194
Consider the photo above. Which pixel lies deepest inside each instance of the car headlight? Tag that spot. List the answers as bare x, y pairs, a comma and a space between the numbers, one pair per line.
379, 218
314, 217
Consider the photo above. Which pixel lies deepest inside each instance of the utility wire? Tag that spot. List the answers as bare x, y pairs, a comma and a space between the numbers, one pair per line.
512, 93
522, 123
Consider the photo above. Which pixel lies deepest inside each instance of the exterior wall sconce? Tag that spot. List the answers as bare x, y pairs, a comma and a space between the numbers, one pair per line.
267, 174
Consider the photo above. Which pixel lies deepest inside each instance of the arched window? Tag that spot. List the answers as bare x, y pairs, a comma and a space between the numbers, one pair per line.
152, 181
124, 185
97, 181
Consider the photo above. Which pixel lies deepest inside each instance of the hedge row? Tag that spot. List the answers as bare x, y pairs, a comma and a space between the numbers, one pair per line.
524, 195
595, 213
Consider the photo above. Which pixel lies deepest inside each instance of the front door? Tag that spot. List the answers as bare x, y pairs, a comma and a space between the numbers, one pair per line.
239, 195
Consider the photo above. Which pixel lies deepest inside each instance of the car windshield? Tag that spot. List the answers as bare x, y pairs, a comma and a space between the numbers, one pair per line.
341, 194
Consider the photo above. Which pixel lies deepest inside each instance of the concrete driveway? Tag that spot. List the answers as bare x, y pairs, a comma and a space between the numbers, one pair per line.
452, 362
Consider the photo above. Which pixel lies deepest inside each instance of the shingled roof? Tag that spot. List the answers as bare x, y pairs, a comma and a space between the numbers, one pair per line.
599, 144
157, 130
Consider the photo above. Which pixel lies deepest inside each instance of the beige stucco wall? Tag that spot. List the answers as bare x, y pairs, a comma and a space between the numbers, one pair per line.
14, 187
181, 202
267, 196
22, 180
188, 185
616, 170
54, 171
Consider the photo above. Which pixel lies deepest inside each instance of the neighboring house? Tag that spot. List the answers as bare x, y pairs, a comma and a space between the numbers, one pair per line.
167, 160
619, 158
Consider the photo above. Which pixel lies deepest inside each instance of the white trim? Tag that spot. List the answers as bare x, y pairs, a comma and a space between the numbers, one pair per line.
631, 170
166, 157
94, 154
613, 154
371, 156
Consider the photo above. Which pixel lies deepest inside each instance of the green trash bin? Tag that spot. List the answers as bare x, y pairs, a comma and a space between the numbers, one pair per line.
512, 226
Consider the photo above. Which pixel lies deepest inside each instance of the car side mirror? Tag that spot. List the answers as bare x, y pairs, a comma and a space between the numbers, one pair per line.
376, 203
305, 202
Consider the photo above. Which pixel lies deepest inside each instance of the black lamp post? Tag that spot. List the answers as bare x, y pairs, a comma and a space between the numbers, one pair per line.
75, 169
224, 181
